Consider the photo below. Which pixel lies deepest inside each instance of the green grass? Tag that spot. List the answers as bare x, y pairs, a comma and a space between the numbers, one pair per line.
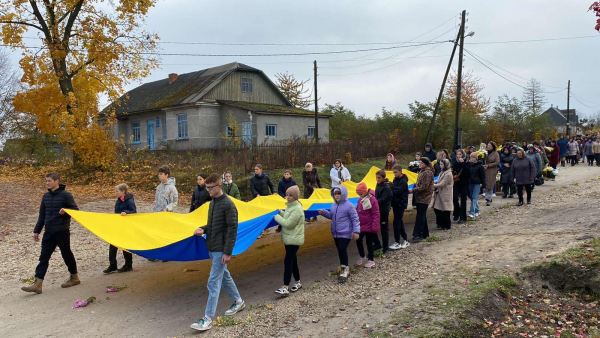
432, 239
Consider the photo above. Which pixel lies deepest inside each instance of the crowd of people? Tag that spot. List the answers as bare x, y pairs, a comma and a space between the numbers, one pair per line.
461, 176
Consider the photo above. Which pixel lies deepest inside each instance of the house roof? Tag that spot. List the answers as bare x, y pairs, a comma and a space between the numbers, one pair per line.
188, 88
558, 117
270, 108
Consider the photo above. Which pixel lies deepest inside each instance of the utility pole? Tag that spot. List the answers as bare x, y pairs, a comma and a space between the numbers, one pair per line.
459, 79
316, 107
568, 98
437, 104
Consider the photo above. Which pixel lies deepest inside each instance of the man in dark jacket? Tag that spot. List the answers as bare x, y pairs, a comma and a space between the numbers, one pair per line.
57, 223
429, 153
200, 195
460, 170
260, 184
221, 234
384, 196
399, 205
285, 183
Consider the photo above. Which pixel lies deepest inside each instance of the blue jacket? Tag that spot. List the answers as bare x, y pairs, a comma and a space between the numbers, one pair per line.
343, 216
563, 145
128, 206
283, 186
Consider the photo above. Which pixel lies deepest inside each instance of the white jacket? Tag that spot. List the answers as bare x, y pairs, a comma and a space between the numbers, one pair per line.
335, 177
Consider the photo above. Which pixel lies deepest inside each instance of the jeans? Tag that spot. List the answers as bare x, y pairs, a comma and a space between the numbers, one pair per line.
112, 256
421, 229
460, 209
291, 264
474, 189
342, 247
528, 188
219, 277
399, 229
370, 237
50, 241
489, 194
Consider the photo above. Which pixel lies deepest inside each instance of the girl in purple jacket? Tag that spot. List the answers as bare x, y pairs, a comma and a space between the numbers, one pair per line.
368, 215
344, 226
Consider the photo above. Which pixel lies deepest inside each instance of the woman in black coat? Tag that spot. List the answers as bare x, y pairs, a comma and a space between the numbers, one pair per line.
523, 172
461, 170
506, 159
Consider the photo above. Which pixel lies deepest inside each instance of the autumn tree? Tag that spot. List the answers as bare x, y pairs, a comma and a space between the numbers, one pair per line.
294, 90
84, 49
533, 97
595, 7
472, 99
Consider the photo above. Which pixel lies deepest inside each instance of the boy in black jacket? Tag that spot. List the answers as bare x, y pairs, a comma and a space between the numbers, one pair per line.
383, 193
260, 184
57, 223
399, 205
124, 205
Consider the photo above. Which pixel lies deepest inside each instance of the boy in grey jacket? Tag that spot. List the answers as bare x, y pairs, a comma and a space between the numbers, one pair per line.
166, 194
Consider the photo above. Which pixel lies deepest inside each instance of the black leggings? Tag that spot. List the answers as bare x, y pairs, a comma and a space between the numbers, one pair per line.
443, 218
590, 159
342, 248
528, 188
291, 264
370, 237
112, 257
399, 229
460, 209
508, 188
421, 229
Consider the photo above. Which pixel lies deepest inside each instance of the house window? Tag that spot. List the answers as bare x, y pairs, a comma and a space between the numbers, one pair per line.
271, 130
311, 132
157, 122
230, 132
164, 128
246, 85
135, 131
182, 126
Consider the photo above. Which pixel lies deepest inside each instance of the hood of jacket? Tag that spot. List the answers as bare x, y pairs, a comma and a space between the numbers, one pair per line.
393, 158
60, 187
428, 145
385, 181
260, 176
170, 181
286, 180
344, 194
403, 178
336, 168
128, 196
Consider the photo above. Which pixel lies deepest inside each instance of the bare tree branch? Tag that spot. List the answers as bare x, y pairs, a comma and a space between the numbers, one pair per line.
23, 23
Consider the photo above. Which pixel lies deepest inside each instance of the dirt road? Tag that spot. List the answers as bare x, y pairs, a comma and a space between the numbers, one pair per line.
163, 299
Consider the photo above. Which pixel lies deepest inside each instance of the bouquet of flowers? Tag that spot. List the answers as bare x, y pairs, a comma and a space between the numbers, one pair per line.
433, 163
414, 166
482, 156
549, 173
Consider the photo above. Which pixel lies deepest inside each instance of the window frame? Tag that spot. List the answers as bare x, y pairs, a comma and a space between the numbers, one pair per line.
133, 132
164, 129
229, 132
308, 132
267, 126
182, 127
246, 85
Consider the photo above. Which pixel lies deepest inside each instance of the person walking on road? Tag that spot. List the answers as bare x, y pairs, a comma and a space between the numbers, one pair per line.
506, 160
221, 233
56, 222
523, 172
369, 218
462, 177
344, 227
422, 194
563, 145
292, 235
442, 204
491, 170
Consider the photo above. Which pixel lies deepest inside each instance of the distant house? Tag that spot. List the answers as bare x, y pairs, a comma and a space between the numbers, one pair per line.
192, 110
557, 118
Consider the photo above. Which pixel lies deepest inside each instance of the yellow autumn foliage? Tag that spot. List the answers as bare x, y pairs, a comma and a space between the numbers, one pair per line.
88, 49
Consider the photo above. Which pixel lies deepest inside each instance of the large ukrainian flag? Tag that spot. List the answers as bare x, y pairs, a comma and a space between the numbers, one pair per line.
170, 236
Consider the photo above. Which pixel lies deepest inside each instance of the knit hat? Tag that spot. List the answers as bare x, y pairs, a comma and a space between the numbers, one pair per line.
418, 153
293, 191
361, 188
426, 161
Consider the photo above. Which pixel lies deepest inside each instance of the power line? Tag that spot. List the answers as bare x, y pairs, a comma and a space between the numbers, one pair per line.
533, 40
592, 102
486, 66
393, 64
512, 72
247, 55
579, 100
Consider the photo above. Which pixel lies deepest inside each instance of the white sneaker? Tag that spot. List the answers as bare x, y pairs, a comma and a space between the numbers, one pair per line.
203, 324
395, 246
297, 286
405, 245
360, 261
283, 291
493, 195
471, 216
477, 214
235, 308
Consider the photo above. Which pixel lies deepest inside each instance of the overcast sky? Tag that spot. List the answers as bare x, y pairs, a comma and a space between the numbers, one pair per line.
403, 80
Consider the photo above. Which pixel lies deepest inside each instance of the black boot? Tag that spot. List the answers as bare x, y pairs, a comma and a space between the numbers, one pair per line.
125, 268
111, 268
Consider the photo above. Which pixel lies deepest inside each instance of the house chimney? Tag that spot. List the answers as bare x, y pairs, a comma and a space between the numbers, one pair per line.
172, 77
